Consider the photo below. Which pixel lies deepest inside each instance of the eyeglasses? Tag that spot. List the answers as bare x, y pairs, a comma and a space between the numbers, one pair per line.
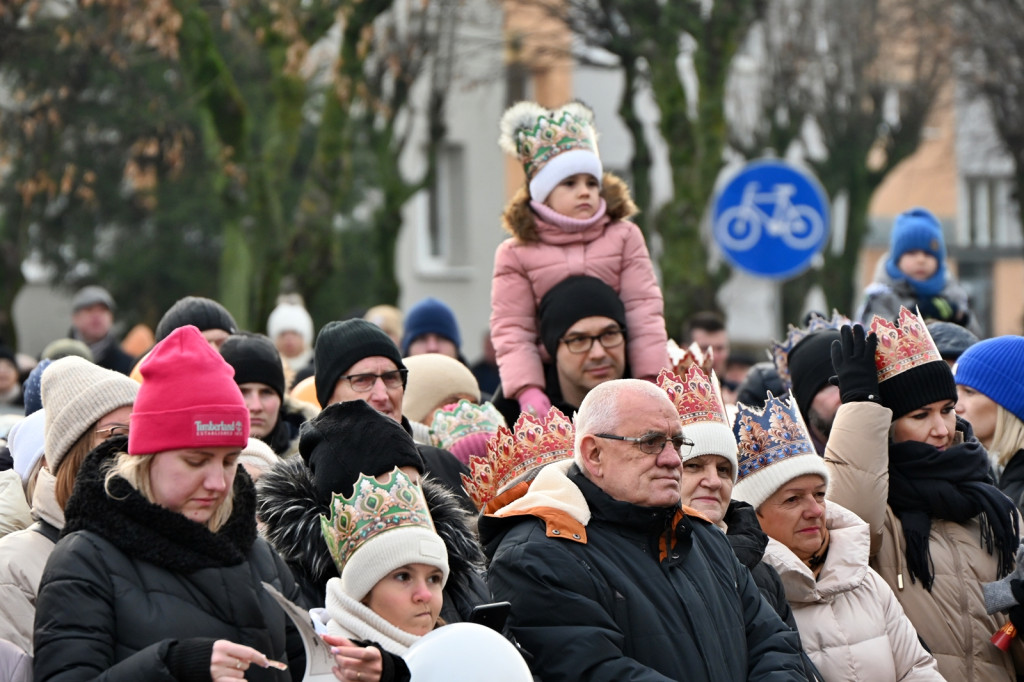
361, 383
582, 343
654, 443
113, 430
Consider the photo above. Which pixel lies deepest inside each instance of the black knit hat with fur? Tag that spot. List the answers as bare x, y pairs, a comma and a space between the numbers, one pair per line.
339, 345
573, 299
351, 438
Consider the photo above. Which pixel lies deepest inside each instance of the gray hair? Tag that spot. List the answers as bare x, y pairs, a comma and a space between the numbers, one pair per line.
599, 411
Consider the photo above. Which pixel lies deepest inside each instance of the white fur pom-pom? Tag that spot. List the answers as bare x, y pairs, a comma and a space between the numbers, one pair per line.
518, 116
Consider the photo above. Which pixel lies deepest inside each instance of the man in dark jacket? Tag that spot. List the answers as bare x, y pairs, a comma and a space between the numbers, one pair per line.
92, 321
610, 578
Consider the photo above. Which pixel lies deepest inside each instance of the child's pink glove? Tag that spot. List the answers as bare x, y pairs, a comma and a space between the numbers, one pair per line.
534, 401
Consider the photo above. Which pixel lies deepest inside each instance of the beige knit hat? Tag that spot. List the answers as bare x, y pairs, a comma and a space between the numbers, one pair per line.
76, 394
433, 380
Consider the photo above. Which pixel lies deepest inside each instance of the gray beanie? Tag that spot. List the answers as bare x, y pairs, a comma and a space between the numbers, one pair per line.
76, 394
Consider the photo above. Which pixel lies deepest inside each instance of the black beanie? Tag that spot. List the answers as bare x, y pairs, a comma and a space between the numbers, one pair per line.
351, 438
810, 367
918, 386
255, 360
950, 338
339, 345
571, 300
204, 313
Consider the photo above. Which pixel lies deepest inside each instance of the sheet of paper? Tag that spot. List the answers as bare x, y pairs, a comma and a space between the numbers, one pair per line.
319, 660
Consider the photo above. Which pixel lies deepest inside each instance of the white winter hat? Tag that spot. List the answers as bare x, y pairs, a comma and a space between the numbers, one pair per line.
290, 317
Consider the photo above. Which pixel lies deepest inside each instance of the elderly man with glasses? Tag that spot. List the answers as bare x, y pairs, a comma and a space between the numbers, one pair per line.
611, 578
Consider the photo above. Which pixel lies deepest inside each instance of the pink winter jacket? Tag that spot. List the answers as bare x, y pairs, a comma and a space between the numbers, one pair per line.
538, 256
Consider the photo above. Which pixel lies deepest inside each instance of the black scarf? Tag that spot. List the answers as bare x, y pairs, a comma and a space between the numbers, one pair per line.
952, 484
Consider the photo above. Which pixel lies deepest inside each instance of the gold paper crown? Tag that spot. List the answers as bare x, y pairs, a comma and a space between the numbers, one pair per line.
697, 398
770, 435
372, 509
682, 358
780, 351
512, 457
451, 426
904, 347
536, 135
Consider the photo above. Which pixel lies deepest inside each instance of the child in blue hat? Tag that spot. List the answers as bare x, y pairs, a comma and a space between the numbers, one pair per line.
914, 275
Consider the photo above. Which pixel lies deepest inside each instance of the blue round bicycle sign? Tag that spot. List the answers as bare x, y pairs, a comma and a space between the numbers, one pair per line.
771, 219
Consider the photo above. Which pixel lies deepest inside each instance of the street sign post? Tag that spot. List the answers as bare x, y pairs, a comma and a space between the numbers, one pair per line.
771, 219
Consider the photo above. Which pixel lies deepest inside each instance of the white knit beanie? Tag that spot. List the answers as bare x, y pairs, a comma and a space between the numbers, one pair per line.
390, 550
711, 438
76, 394
289, 317
258, 454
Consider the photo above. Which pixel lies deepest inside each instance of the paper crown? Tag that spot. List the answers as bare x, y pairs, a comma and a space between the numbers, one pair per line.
780, 351
536, 135
683, 358
372, 509
466, 418
513, 456
769, 436
902, 347
697, 397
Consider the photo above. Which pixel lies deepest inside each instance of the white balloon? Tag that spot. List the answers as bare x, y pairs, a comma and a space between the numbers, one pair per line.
465, 652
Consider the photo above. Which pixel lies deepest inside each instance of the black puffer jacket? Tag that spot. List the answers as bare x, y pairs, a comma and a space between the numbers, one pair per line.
290, 507
134, 591
748, 542
614, 604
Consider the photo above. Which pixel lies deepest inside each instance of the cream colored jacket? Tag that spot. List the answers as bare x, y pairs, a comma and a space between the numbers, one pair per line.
23, 556
850, 623
14, 510
951, 619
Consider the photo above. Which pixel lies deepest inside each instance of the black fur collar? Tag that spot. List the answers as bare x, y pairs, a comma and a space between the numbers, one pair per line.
149, 532
289, 506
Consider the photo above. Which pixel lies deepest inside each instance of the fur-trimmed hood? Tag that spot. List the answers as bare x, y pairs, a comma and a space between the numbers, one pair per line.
519, 220
289, 506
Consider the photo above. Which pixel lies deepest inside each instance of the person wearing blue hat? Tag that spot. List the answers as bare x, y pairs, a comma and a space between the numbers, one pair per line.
430, 327
990, 386
914, 275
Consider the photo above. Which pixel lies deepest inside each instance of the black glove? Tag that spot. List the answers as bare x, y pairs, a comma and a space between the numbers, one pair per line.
853, 357
1016, 613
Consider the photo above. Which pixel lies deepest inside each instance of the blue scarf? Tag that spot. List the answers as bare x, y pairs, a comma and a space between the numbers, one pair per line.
923, 288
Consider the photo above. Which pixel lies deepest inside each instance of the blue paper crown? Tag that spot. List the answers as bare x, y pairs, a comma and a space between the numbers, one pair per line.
771, 435
780, 351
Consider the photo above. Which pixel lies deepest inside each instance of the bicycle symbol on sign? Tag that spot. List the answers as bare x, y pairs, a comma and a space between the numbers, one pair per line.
739, 227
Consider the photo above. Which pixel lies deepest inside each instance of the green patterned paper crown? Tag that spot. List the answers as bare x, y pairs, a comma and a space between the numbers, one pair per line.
466, 418
373, 508
536, 135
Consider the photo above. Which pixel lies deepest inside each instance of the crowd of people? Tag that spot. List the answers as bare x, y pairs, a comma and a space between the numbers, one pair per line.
615, 506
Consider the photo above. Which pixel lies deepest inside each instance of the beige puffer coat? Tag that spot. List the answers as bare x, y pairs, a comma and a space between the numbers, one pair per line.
951, 619
850, 623
14, 510
23, 556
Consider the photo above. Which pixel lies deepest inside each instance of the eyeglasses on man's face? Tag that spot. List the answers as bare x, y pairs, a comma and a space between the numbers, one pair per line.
654, 443
362, 383
582, 343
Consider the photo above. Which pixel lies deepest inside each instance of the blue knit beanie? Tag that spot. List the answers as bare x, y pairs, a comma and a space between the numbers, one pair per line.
430, 316
32, 390
995, 368
917, 230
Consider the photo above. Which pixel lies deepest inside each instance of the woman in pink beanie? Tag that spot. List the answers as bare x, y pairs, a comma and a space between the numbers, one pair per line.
158, 574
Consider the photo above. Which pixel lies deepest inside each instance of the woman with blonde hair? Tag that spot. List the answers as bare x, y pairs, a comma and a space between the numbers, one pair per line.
990, 385
159, 571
